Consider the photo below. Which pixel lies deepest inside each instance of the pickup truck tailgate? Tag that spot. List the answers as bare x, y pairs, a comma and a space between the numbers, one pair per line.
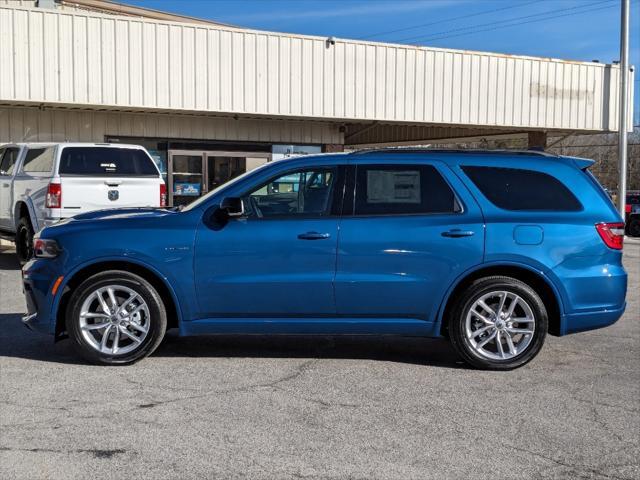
107, 176
84, 194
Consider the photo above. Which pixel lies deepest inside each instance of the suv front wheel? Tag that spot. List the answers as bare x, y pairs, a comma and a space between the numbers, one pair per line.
116, 317
499, 323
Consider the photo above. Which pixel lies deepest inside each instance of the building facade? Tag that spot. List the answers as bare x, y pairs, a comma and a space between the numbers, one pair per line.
217, 99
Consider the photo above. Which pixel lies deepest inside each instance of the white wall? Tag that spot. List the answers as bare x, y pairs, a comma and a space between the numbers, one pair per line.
82, 58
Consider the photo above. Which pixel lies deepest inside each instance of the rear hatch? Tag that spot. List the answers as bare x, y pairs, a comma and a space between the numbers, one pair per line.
94, 178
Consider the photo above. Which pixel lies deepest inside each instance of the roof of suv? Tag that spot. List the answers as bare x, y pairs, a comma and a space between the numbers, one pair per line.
457, 151
455, 154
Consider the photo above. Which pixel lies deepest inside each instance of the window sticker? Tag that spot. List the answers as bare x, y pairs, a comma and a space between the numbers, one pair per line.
384, 186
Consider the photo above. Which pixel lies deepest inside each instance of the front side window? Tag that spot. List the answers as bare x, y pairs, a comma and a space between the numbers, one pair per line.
301, 193
8, 160
402, 190
522, 190
38, 160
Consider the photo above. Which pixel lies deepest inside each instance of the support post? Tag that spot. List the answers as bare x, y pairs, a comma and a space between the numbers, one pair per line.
537, 141
623, 108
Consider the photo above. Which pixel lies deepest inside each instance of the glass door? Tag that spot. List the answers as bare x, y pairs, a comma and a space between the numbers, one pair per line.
186, 177
192, 173
221, 169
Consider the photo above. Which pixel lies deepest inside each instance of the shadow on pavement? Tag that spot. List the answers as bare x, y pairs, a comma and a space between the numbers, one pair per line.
414, 350
8, 259
19, 342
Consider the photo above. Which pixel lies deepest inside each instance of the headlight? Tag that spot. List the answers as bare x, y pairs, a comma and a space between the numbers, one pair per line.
45, 248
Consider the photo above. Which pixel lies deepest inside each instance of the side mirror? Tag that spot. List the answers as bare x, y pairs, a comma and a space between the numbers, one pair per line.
232, 206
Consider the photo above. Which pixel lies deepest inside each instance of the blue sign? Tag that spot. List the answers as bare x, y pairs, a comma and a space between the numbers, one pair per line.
186, 189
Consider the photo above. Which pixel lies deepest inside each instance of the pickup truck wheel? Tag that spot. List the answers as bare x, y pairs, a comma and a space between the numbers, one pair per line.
24, 240
498, 323
116, 318
634, 227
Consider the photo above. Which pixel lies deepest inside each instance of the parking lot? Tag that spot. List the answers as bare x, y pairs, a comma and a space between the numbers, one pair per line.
319, 407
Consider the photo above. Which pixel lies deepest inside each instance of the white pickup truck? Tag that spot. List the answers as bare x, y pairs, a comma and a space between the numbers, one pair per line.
41, 183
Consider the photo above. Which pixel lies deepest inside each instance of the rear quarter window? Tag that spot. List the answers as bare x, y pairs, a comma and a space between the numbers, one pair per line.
519, 189
38, 160
104, 161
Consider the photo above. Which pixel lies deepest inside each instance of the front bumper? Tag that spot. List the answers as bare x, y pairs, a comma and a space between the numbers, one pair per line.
37, 279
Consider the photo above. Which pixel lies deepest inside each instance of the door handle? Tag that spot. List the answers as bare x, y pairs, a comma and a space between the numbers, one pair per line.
313, 236
457, 233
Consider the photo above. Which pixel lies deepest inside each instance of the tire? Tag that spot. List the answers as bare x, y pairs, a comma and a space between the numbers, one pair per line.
144, 311
24, 240
633, 230
470, 334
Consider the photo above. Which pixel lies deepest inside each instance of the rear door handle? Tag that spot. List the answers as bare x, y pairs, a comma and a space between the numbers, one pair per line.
457, 233
313, 236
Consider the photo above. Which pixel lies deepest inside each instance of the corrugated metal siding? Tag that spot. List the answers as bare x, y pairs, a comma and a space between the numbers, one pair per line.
57, 125
416, 134
93, 59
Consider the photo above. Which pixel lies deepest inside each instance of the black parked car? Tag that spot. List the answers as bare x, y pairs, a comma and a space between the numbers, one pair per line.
632, 217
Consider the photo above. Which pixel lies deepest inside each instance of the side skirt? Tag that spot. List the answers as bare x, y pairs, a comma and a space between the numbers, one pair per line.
311, 326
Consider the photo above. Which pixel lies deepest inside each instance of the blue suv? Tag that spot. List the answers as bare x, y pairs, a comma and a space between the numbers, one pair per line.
491, 250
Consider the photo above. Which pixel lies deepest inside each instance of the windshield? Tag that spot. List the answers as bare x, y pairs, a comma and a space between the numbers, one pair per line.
224, 186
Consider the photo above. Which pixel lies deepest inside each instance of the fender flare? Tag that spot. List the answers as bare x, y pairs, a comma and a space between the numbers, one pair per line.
33, 218
55, 304
557, 292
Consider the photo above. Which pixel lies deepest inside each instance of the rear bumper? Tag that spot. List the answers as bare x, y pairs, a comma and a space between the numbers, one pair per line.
582, 322
593, 294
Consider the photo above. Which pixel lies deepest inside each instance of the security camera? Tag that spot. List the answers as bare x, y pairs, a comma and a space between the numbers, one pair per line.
331, 41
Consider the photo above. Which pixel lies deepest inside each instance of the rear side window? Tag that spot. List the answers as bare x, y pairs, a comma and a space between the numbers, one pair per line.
38, 160
103, 161
517, 189
402, 189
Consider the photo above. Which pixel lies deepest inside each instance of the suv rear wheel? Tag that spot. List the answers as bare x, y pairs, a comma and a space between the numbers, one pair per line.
116, 317
24, 240
498, 323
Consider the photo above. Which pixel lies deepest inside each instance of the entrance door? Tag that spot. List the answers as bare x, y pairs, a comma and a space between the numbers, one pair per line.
193, 173
186, 177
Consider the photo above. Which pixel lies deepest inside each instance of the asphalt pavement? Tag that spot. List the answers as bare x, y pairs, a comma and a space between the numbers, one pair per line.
319, 407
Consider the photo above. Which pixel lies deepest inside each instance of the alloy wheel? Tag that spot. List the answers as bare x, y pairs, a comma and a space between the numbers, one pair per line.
114, 320
500, 325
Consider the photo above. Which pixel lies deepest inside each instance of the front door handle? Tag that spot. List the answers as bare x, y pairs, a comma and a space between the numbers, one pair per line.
457, 233
313, 236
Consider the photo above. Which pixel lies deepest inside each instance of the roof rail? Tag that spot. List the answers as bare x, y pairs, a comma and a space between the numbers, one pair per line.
474, 151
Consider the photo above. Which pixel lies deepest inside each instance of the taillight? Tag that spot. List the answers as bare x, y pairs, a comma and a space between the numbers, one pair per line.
627, 208
163, 195
612, 234
54, 196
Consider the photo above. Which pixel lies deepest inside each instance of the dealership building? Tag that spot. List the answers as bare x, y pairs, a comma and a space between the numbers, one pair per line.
210, 100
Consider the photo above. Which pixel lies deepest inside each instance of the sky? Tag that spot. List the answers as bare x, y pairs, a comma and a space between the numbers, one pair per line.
567, 29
